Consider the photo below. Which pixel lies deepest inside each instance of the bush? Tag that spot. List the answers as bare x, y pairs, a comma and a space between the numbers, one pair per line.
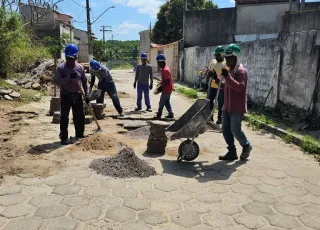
310, 145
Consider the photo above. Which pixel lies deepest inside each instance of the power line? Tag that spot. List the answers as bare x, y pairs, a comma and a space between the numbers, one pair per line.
77, 4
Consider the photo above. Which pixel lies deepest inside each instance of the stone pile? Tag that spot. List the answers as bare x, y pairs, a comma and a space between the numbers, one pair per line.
9, 94
98, 110
158, 140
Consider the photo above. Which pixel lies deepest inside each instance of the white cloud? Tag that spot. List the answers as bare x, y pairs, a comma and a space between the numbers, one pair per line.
127, 27
150, 7
232, 1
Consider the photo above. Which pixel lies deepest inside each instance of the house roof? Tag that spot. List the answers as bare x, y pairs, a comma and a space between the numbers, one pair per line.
245, 2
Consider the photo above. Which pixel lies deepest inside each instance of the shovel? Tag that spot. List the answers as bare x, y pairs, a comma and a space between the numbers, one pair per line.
90, 109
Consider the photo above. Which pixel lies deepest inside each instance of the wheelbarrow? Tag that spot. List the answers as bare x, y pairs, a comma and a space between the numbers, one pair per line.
190, 125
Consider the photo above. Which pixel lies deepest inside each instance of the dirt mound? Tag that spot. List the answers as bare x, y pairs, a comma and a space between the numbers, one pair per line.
124, 165
141, 133
95, 142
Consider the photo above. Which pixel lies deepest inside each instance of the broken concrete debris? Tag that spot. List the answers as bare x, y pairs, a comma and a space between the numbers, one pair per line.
158, 140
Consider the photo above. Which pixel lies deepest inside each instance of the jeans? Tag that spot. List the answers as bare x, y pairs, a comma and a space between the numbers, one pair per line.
231, 128
111, 89
212, 95
143, 89
74, 101
165, 102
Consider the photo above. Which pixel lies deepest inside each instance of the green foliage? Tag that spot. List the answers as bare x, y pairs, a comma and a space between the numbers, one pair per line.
191, 93
122, 66
256, 121
310, 145
169, 25
288, 138
56, 45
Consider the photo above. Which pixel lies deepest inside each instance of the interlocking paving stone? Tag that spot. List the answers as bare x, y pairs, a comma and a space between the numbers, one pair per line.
219, 188
59, 181
197, 207
107, 203
86, 213
229, 210
136, 226
186, 219
165, 206
97, 191
276, 174
113, 183
283, 221
79, 174
32, 181
125, 193
294, 190
141, 185
18, 210
312, 199
289, 199
6, 190
167, 186
313, 189
101, 224
180, 196
242, 189
154, 195
217, 220
271, 181
288, 209
312, 209
64, 222
169, 227
314, 181
248, 180
235, 198
51, 211
257, 209
26, 223
310, 222
152, 217
137, 204
12, 199
38, 190
121, 215
208, 197
191, 188
66, 190
264, 198
86, 182
3, 220
268, 189
251, 221
42, 200
75, 201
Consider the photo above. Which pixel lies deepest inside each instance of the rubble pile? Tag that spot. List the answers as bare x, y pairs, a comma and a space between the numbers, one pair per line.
9, 94
158, 140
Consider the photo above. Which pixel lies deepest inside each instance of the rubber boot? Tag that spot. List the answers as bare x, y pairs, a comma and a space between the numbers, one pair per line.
170, 116
245, 152
231, 155
219, 121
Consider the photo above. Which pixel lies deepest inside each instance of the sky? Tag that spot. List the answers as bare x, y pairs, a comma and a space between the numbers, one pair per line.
127, 19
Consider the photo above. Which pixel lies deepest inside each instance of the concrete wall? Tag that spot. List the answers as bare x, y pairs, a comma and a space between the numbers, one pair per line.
81, 35
304, 21
145, 41
210, 27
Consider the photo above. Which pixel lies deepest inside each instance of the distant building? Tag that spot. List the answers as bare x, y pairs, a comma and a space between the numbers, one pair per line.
145, 41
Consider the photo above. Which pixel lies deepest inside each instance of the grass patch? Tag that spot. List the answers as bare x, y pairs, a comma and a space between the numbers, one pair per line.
256, 121
288, 138
310, 145
122, 67
190, 93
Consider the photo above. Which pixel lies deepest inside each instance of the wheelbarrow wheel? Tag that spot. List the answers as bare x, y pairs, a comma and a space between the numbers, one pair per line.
188, 156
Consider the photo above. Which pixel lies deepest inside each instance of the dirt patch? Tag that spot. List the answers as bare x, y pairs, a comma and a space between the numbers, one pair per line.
141, 133
124, 165
95, 142
123, 95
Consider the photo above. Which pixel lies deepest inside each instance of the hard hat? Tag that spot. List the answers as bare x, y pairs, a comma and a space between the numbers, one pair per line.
218, 50
161, 57
232, 50
95, 65
144, 56
71, 51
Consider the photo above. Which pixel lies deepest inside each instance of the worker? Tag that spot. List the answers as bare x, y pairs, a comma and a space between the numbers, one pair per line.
235, 104
70, 76
143, 74
167, 87
215, 68
106, 84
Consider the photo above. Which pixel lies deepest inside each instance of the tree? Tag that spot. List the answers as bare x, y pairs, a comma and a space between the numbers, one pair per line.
99, 50
169, 25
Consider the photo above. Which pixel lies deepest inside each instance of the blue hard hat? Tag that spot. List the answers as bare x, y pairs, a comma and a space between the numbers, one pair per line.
71, 50
95, 65
161, 57
144, 56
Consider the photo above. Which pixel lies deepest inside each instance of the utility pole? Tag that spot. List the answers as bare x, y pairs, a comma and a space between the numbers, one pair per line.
105, 30
89, 30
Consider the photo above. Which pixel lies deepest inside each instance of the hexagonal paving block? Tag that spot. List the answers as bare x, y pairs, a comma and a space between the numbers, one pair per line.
242, 189
125, 193
235, 198
38, 190
79, 174
248, 180
64, 190
32, 181
269, 189
3, 220
251, 221
219, 188
107, 203
294, 190
197, 207
86, 213
208, 197
276, 174
167, 186
140, 185
137, 204
313, 189
289, 199
264, 198
12, 199
65, 223
113, 183
169, 227
75, 201
310, 222
312, 209
97, 191
154, 195
186, 219
271, 181
217, 220
198, 227
191, 187
288, 209
226, 180
152, 217
96, 224
252, 173
314, 181
42, 200
229, 210
312, 199
18, 210
86, 182
51, 211
257, 209
166, 206
6, 190
136, 226
121, 215
59, 181
26, 223
180, 196
283, 221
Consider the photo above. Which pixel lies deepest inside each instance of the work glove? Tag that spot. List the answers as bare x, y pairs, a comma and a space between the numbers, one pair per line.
224, 74
73, 75
151, 86
87, 99
134, 85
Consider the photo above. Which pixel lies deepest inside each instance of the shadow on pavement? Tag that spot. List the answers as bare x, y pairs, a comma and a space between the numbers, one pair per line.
44, 148
221, 170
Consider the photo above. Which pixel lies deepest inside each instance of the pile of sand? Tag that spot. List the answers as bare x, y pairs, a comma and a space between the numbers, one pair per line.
96, 142
124, 165
141, 133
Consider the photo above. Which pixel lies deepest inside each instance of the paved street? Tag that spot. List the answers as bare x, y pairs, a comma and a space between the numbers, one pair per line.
278, 188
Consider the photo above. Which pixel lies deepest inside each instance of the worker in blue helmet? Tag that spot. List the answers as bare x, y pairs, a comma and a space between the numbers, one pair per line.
106, 84
144, 78
69, 76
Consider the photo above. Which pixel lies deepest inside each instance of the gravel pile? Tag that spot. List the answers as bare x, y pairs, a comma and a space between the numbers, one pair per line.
124, 165
141, 133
